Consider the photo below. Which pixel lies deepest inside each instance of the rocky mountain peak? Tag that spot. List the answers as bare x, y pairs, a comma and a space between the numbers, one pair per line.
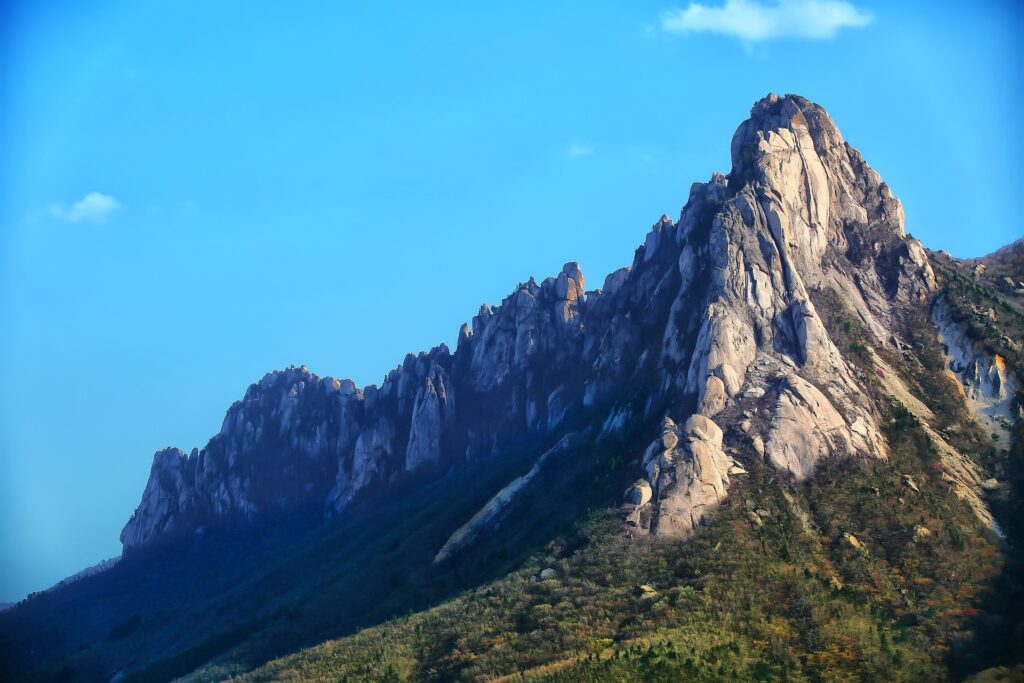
713, 324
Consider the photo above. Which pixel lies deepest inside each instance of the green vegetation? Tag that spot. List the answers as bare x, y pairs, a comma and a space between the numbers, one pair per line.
783, 596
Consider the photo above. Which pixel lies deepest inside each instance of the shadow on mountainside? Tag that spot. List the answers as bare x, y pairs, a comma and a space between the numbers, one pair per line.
249, 596
997, 639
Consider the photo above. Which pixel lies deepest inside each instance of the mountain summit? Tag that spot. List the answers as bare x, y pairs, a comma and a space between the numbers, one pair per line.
785, 442
714, 318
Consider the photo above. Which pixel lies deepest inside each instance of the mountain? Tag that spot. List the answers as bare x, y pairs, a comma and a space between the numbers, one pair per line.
709, 309
784, 442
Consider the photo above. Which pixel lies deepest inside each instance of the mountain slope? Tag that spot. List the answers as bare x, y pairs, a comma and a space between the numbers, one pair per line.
721, 294
807, 491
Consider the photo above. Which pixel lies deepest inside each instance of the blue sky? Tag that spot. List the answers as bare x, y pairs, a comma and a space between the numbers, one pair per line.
193, 194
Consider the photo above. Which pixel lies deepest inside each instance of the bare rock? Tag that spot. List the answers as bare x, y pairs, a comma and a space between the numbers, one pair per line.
805, 428
687, 473
715, 309
853, 542
646, 591
430, 414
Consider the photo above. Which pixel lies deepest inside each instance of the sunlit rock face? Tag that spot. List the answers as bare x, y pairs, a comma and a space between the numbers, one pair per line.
801, 210
988, 387
685, 477
712, 320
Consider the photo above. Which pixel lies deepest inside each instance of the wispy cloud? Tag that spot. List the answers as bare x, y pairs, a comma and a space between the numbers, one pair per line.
94, 207
759, 20
579, 149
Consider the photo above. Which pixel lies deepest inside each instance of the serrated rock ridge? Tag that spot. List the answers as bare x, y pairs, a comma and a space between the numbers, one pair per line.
713, 316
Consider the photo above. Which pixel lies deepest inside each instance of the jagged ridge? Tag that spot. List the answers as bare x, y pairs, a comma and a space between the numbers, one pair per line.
714, 318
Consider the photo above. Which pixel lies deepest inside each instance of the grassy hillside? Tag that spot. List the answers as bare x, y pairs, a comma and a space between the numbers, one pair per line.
773, 587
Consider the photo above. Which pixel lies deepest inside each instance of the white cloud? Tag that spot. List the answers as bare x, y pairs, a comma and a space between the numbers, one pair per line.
579, 149
759, 20
94, 207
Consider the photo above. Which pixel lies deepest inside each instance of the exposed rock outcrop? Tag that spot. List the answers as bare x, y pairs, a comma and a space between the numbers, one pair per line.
713, 316
278, 448
687, 474
958, 470
800, 210
491, 514
806, 428
989, 387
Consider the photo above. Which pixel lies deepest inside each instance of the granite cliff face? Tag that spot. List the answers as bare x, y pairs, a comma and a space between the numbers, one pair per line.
987, 385
709, 343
